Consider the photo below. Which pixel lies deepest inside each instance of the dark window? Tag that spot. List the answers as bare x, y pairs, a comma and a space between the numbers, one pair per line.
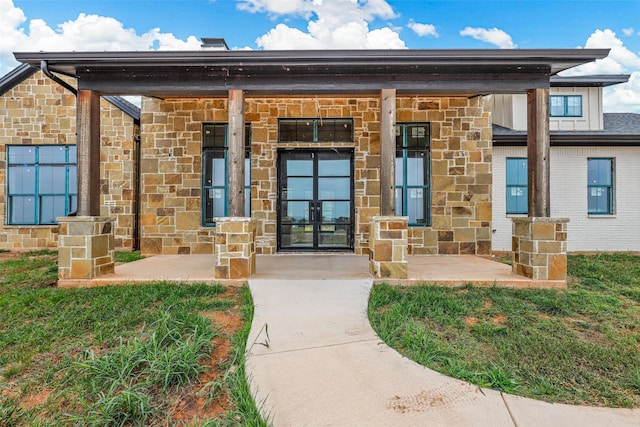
41, 183
517, 185
600, 187
215, 174
413, 152
315, 130
565, 105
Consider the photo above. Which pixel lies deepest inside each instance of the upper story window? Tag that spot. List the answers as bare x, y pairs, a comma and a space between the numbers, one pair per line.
517, 185
41, 183
600, 186
565, 105
413, 154
215, 173
315, 130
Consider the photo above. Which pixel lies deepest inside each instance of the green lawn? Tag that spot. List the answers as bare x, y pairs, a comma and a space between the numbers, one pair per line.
119, 355
579, 346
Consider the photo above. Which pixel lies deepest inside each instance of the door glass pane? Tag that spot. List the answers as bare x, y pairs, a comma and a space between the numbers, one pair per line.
22, 155
52, 180
52, 154
334, 167
297, 236
336, 212
295, 212
334, 188
22, 210
299, 167
22, 180
51, 207
334, 236
299, 188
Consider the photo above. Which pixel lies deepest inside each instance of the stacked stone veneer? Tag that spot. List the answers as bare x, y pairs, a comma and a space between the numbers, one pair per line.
388, 247
235, 248
460, 168
39, 111
540, 248
85, 247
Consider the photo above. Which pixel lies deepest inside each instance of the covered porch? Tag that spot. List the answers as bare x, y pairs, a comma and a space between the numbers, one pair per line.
446, 270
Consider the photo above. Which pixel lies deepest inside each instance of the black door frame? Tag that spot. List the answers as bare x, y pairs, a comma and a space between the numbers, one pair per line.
314, 203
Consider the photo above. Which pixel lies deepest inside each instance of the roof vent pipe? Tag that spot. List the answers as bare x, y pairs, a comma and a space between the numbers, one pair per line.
45, 69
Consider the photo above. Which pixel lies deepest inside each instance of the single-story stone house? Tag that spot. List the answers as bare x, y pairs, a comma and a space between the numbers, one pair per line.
378, 152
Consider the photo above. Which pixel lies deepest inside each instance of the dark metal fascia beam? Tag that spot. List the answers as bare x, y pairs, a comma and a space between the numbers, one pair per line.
590, 140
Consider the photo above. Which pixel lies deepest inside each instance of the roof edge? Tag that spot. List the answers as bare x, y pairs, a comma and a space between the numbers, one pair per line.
15, 77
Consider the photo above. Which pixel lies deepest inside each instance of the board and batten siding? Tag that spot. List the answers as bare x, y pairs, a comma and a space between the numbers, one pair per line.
617, 232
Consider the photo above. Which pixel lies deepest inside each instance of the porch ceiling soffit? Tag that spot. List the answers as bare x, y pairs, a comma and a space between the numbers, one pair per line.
213, 73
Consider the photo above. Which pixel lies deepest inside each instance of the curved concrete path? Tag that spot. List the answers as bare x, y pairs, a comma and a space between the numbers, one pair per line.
314, 360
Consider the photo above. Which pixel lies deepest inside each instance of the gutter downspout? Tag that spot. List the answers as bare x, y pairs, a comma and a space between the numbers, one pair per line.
136, 195
45, 69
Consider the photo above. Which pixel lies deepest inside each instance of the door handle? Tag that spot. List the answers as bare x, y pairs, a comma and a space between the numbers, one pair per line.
312, 212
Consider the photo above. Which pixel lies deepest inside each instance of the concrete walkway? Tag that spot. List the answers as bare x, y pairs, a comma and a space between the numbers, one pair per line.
313, 360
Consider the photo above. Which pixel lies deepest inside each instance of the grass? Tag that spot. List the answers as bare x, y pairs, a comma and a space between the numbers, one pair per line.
124, 256
579, 346
119, 355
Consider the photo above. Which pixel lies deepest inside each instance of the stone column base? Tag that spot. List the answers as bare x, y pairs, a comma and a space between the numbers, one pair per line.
388, 244
540, 248
235, 250
85, 247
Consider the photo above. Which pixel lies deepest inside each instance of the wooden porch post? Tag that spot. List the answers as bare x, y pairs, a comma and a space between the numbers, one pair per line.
236, 153
388, 152
88, 145
538, 152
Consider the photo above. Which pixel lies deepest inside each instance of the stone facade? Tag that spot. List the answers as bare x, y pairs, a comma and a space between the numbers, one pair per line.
461, 178
540, 248
38, 111
388, 247
86, 247
235, 252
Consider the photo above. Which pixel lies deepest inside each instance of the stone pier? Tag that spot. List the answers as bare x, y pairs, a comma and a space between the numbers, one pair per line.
235, 251
85, 247
540, 248
389, 244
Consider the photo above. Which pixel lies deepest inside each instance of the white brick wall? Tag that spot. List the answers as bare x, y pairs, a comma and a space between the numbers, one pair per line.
618, 232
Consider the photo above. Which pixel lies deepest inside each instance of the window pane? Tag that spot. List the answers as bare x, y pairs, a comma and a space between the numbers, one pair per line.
599, 171
517, 200
557, 105
214, 168
215, 201
22, 180
52, 154
214, 136
334, 188
247, 201
416, 205
417, 136
415, 167
599, 200
399, 168
344, 130
399, 201
296, 130
73, 154
22, 210
73, 180
574, 106
22, 155
335, 130
52, 179
73, 204
51, 207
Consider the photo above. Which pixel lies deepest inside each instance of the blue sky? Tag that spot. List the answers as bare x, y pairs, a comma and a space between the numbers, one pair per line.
324, 24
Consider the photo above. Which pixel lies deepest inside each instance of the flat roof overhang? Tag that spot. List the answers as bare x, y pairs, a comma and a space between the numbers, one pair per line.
569, 139
214, 73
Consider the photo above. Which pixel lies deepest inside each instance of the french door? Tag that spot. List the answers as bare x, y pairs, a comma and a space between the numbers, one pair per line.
315, 200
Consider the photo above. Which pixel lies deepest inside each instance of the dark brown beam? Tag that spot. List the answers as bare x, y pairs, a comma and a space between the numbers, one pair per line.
236, 153
88, 145
538, 152
387, 152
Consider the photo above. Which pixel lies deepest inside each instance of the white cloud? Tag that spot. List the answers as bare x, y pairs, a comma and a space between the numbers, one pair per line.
618, 98
85, 33
423, 29
490, 35
628, 31
332, 24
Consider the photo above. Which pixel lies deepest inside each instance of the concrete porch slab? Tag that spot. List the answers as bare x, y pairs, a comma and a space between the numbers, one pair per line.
449, 270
